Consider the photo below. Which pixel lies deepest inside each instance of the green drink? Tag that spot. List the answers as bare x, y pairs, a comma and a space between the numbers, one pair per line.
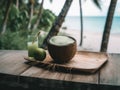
32, 45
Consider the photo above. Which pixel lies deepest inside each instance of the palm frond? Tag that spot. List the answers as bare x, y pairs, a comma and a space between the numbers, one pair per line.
97, 3
51, 1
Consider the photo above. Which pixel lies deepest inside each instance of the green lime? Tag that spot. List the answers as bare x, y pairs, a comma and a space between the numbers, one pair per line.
39, 54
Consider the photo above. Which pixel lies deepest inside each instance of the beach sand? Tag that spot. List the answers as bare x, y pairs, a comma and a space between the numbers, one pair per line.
92, 41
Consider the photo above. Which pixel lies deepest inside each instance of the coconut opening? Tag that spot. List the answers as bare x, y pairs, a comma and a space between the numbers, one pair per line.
61, 40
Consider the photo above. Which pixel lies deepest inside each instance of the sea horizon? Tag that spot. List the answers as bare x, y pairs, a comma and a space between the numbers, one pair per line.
94, 24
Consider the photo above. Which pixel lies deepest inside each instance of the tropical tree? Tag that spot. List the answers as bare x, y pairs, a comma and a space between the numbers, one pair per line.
17, 3
16, 20
97, 3
31, 3
81, 23
58, 22
38, 16
56, 26
9, 3
107, 28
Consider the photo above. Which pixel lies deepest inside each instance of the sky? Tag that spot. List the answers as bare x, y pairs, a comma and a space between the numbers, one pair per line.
89, 8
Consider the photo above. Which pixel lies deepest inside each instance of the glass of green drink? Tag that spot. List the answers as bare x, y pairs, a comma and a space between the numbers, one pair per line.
32, 45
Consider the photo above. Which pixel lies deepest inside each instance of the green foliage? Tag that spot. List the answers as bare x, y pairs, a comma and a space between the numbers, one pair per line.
16, 33
1, 18
34, 18
13, 41
41, 38
14, 11
47, 19
17, 19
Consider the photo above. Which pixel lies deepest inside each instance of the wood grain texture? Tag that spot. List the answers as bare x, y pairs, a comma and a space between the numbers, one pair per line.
38, 72
110, 73
12, 62
83, 61
14, 70
46, 74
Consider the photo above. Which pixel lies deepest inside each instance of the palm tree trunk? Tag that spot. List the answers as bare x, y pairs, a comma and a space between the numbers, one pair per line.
9, 3
81, 23
108, 24
59, 20
39, 16
31, 14
17, 4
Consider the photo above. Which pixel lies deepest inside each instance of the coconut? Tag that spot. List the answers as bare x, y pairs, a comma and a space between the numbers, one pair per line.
62, 48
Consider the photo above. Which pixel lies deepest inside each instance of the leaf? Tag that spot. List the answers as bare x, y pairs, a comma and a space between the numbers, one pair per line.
47, 22
48, 14
97, 3
51, 1
24, 14
14, 11
34, 18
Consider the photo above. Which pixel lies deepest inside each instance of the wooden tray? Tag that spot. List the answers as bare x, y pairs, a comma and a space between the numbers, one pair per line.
83, 61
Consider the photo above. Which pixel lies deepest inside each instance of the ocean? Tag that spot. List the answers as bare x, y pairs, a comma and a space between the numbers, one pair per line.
91, 24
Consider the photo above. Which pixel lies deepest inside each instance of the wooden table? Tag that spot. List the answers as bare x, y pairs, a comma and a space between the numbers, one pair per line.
14, 73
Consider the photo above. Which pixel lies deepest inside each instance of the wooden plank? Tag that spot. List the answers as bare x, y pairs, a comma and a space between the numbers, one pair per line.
42, 73
110, 74
12, 62
33, 83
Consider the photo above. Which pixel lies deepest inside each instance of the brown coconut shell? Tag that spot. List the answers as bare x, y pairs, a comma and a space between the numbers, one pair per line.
62, 54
